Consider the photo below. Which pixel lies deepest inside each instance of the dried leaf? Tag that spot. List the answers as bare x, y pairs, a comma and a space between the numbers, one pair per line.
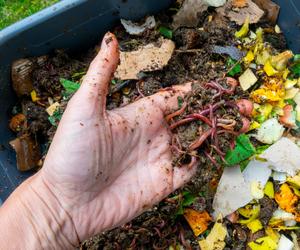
251, 10
198, 221
147, 58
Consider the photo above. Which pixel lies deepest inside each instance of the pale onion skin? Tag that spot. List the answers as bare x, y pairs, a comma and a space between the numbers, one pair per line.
245, 107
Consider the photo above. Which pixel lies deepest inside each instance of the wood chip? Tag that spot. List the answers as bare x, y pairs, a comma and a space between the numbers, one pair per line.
239, 16
146, 59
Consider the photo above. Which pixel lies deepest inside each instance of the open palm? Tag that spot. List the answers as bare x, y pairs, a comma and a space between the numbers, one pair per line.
106, 167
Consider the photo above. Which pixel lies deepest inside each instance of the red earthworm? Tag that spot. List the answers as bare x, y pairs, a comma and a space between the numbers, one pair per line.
183, 241
213, 161
181, 122
176, 113
196, 144
201, 118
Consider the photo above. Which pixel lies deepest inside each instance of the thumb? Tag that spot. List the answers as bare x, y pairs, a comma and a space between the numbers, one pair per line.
95, 83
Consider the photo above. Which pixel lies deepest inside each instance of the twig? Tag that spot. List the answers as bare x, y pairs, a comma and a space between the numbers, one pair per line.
187, 51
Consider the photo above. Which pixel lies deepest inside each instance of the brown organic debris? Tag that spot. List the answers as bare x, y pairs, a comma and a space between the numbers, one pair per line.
28, 152
147, 58
17, 122
21, 74
188, 15
271, 9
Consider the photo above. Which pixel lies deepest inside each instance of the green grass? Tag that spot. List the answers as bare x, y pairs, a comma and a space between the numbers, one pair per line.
12, 11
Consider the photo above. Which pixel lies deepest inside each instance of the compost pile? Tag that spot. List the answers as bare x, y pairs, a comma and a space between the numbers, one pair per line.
240, 122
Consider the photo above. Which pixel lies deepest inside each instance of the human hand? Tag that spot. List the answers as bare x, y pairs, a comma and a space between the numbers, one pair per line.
104, 167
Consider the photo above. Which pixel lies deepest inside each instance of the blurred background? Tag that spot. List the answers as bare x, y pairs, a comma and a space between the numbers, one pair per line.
12, 11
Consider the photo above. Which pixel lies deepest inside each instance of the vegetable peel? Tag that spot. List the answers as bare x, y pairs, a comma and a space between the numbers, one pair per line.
198, 221
216, 238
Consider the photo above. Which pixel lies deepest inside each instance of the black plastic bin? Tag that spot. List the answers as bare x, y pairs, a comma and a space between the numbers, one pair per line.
78, 24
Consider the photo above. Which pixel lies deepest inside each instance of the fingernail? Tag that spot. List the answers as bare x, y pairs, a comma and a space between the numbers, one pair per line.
107, 39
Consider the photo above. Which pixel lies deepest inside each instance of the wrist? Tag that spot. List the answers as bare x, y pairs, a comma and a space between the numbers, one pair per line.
33, 212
